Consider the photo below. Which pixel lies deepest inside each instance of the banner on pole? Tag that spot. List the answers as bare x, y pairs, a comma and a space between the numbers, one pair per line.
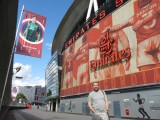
31, 35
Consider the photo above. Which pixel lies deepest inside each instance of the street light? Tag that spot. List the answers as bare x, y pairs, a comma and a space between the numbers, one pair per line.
19, 77
17, 69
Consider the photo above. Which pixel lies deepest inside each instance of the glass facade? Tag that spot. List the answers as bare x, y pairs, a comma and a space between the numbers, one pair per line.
52, 75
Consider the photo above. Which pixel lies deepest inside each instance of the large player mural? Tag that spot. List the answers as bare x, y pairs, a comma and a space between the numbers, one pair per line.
122, 50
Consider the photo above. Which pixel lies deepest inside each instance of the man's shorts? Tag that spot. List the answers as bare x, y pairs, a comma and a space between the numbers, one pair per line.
100, 116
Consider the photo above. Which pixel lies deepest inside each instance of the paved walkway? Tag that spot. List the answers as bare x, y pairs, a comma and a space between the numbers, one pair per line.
41, 114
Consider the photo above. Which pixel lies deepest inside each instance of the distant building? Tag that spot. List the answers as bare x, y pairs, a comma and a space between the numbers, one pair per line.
34, 94
52, 77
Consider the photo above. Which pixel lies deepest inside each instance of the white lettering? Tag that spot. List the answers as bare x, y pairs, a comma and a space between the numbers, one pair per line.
92, 2
146, 9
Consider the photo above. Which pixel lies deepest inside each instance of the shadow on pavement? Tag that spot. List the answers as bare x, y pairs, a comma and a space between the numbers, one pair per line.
10, 116
28, 116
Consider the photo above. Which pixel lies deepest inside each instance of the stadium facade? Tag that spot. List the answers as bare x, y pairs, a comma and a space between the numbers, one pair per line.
118, 46
52, 81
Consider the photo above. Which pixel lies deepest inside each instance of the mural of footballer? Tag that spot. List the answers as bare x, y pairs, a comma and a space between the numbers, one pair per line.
119, 37
68, 69
81, 56
145, 22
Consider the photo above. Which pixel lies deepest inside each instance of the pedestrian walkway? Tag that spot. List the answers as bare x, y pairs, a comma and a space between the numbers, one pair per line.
41, 114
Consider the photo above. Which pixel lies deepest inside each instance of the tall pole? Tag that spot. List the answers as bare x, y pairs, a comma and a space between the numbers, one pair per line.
19, 24
11, 56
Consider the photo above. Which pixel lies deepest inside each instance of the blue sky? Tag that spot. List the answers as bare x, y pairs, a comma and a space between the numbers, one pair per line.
33, 69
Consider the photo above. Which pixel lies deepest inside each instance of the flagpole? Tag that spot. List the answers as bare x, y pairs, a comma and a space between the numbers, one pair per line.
19, 22
11, 56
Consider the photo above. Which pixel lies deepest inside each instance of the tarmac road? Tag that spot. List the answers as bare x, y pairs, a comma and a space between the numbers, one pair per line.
41, 114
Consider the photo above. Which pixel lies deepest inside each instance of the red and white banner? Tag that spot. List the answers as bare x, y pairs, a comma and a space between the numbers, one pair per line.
31, 35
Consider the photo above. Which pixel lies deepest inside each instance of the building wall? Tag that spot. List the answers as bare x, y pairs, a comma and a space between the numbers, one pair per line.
122, 100
119, 60
51, 77
39, 95
73, 105
8, 15
85, 59
34, 94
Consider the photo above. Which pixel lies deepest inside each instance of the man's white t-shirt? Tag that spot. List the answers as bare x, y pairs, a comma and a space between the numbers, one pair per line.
98, 100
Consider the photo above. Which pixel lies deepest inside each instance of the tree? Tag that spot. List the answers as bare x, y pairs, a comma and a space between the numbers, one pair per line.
49, 93
22, 97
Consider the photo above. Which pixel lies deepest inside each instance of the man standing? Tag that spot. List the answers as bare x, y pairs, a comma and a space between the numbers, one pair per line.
98, 102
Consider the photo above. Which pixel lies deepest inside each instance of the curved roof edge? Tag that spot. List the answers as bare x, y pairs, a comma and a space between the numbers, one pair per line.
68, 23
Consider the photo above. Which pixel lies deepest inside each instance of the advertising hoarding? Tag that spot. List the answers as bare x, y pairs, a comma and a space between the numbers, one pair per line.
120, 51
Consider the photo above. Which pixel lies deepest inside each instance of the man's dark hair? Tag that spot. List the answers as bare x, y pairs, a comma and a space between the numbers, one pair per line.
95, 82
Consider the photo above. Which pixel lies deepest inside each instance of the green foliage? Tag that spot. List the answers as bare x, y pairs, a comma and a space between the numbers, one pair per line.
22, 97
49, 93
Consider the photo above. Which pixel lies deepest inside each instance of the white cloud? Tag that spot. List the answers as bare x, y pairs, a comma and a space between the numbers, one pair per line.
49, 45
28, 79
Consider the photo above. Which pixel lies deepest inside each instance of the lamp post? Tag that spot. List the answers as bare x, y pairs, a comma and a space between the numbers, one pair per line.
17, 69
18, 77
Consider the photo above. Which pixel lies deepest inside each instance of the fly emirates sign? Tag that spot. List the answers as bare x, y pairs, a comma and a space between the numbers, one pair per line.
107, 54
107, 8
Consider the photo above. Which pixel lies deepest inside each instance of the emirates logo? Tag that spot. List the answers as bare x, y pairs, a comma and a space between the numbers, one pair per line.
106, 44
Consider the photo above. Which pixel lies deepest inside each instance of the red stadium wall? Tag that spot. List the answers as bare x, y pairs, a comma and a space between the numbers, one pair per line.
122, 50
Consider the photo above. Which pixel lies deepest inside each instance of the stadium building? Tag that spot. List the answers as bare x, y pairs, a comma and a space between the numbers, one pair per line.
117, 46
52, 81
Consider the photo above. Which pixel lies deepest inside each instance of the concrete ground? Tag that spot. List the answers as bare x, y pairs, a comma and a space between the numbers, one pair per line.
41, 114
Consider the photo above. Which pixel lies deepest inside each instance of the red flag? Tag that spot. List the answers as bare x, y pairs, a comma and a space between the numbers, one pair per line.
31, 35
